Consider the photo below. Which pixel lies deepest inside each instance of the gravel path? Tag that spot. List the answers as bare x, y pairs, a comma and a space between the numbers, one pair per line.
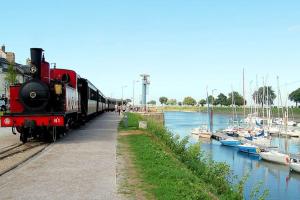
82, 165
7, 138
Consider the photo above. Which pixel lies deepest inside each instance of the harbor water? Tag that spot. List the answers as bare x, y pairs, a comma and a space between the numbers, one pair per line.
281, 183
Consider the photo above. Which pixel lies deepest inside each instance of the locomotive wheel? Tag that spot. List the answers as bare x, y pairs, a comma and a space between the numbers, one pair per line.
24, 137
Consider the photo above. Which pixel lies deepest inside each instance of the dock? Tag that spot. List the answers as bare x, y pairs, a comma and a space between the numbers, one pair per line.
219, 136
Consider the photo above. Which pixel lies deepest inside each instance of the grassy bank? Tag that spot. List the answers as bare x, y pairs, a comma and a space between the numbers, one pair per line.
171, 170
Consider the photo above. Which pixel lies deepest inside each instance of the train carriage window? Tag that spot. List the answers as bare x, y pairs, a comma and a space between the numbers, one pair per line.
93, 94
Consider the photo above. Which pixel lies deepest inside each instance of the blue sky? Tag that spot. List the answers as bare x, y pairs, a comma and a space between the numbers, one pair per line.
185, 46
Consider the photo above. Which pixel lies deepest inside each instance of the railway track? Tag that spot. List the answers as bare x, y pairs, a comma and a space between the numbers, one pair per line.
8, 148
14, 155
18, 148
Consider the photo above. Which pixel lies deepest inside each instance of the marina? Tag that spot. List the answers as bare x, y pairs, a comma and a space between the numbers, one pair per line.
277, 176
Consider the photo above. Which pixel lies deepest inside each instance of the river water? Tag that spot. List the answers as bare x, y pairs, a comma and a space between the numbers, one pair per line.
281, 183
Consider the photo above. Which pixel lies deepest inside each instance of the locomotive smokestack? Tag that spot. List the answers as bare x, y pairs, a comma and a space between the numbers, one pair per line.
36, 59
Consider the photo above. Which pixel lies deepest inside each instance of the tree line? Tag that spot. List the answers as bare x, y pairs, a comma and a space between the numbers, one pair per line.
264, 96
222, 99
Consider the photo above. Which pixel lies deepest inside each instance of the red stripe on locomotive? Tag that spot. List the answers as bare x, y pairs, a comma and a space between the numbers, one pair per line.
16, 121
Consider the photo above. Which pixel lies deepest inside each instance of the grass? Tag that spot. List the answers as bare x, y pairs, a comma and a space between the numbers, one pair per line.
171, 169
133, 122
165, 176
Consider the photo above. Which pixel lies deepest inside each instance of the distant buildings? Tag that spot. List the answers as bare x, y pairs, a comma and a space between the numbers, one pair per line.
7, 58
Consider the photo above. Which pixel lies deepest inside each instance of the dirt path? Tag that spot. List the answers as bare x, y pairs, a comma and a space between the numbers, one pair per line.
129, 183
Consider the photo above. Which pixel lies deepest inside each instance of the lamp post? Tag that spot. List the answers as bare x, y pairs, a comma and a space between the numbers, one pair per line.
124, 86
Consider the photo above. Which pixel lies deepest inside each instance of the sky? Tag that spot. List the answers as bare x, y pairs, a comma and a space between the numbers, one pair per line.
185, 46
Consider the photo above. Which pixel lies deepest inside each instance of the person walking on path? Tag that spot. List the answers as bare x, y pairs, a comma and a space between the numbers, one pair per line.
119, 110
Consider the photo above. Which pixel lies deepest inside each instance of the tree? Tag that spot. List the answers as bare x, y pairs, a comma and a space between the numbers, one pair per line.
222, 100
11, 75
180, 103
237, 99
189, 101
295, 96
261, 97
163, 100
210, 99
202, 102
172, 102
152, 102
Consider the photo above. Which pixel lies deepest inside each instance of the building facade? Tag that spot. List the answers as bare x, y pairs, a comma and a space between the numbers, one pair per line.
7, 58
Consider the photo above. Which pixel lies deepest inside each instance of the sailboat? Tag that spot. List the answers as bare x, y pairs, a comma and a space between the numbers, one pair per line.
231, 142
203, 131
234, 129
295, 165
275, 156
249, 148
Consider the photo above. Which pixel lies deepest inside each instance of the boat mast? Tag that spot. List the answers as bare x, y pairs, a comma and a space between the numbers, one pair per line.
208, 108
263, 99
244, 93
279, 100
232, 104
256, 98
268, 106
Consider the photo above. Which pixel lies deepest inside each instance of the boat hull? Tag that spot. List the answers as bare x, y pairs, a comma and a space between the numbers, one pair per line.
230, 143
295, 167
204, 135
248, 149
275, 157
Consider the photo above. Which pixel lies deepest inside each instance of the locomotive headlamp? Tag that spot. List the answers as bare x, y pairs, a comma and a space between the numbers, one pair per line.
33, 69
58, 89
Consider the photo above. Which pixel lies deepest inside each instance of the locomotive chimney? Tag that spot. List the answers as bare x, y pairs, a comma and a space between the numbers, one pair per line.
36, 59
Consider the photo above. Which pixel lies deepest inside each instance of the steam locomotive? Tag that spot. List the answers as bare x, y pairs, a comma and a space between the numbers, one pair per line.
52, 101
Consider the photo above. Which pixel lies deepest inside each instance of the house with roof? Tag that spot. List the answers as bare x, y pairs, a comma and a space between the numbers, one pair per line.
7, 58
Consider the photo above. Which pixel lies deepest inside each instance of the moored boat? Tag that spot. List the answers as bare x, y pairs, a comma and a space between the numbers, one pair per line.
249, 148
290, 133
230, 142
275, 156
295, 165
202, 132
231, 131
274, 130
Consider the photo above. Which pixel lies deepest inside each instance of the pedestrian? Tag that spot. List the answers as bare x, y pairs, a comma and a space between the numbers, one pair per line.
119, 110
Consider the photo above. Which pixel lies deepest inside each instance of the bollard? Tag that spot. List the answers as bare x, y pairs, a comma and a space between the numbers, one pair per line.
143, 124
125, 120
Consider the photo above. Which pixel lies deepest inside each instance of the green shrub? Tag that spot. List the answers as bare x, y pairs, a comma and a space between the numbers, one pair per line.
214, 174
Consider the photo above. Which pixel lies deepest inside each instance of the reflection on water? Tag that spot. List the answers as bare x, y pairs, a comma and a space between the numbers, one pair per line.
281, 183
